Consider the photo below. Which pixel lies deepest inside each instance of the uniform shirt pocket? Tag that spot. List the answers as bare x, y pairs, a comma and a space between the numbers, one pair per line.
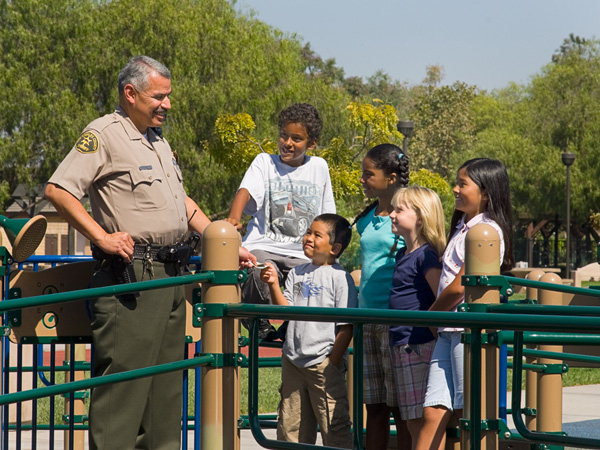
148, 189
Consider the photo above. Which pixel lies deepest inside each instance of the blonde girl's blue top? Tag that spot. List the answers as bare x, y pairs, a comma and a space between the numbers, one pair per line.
378, 260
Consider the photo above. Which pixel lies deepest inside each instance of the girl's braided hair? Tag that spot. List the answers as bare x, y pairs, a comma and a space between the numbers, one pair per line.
390, 159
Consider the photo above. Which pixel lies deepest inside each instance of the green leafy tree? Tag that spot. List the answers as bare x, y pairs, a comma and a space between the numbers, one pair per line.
444, 127
59, 62
367, 125
436, 183
434, 75
528, 127
44, 73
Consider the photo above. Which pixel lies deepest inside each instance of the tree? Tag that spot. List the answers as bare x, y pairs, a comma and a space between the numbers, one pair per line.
558, 111
44, 74
367, 125
434, 75
444, 127
436, 183
59, 61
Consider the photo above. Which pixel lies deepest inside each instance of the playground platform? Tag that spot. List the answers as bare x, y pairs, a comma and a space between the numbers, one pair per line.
581, 417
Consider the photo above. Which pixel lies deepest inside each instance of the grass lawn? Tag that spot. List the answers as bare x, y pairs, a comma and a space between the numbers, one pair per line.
269, 380
268, 395
576, 376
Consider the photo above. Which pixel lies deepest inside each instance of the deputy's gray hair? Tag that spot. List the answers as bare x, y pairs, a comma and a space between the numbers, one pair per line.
137, 71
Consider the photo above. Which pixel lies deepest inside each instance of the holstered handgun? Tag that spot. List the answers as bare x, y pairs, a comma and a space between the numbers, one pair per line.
122, 271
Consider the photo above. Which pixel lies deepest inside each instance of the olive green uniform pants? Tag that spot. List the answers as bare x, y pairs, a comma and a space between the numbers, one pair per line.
131, 334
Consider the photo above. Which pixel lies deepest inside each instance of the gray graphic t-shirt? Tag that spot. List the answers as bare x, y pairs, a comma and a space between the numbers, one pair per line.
309, 343
284, 202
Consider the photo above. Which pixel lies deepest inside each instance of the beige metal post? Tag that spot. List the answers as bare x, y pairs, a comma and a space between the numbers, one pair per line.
79, 403
530, 375
482, 257
220, 385
549, 396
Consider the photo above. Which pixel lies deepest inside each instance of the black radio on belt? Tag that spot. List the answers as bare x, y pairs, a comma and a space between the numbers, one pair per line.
181, 252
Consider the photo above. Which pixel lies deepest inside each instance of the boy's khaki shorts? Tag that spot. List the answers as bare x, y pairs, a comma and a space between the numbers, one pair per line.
311, 396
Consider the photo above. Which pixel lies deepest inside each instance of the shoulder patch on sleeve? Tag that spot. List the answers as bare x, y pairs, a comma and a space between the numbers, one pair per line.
87, 143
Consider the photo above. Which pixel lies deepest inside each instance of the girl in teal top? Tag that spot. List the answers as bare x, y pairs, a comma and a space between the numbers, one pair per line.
378, 247
384, 169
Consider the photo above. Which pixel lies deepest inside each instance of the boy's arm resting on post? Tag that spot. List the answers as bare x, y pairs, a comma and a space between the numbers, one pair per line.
342, 341
71, 209
242, 197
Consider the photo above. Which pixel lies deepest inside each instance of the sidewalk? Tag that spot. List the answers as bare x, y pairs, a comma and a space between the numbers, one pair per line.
581, 411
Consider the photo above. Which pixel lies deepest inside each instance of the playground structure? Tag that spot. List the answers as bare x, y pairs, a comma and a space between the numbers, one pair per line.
32, 317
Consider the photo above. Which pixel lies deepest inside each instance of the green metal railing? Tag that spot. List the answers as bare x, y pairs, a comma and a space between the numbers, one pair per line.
515, 318
214, 277
105, 379
547, 438
13, 303
475, 321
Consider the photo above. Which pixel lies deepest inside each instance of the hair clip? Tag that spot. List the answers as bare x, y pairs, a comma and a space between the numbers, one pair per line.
400, 155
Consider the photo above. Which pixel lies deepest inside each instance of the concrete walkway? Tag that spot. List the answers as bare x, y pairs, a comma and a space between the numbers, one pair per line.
581, 411
581, 415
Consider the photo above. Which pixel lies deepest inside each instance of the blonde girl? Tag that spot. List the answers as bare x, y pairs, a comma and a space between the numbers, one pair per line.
419, 219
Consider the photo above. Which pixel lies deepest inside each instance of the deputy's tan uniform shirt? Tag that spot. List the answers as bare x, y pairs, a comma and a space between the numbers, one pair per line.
134, 184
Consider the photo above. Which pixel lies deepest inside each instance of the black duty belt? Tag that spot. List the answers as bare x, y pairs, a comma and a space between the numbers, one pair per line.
179, 253
146, 252
143, 252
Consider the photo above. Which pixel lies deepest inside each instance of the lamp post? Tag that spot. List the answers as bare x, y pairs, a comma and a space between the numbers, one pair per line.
407, 128
568, 159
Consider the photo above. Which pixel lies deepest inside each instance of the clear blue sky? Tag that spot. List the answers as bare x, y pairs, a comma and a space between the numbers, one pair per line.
480, 42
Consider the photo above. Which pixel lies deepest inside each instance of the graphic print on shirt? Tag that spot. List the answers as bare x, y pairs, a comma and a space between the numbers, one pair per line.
310, 289
306, 289
291, 209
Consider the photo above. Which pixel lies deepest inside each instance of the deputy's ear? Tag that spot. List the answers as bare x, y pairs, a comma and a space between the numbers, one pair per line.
129, 93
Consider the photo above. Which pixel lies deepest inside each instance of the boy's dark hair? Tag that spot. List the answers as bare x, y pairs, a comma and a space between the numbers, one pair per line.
340, 231
305, 114
491, 178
